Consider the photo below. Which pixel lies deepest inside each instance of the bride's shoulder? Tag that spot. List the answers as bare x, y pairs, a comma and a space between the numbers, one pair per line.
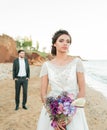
75, 58
71, 58
52, 61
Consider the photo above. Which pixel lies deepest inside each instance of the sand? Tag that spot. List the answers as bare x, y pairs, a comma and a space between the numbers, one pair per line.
95, 109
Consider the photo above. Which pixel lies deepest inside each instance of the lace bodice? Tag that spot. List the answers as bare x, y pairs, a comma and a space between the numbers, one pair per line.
62, 78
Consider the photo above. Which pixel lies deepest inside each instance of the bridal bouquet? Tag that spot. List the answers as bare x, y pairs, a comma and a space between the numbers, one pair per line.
60, 108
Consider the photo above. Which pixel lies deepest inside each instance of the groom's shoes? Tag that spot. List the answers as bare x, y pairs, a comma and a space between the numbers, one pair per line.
24, 107
17, 107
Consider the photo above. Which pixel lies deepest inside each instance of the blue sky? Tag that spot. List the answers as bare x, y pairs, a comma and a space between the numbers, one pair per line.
85, 20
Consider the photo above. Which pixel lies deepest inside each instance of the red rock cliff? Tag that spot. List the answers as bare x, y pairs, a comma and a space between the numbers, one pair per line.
7, 48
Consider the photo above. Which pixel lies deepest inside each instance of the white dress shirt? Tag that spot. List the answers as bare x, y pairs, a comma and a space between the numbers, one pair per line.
22, 67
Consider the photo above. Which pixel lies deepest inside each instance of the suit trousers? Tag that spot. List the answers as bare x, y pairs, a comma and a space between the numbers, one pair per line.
21, 81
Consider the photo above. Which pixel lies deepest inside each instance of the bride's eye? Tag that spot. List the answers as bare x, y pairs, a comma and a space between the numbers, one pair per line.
68, 41
61, 40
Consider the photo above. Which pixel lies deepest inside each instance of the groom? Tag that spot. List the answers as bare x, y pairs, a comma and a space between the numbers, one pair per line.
21, 73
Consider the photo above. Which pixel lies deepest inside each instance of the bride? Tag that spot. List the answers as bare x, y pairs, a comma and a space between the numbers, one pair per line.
63, 73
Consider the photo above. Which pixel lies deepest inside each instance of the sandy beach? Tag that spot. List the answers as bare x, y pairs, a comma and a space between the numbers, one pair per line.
95, 109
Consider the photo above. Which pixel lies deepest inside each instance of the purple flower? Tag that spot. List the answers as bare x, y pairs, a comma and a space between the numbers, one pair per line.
67, 109
54, 107
66, 99
73, 110
54, 104
66, 103
66, 112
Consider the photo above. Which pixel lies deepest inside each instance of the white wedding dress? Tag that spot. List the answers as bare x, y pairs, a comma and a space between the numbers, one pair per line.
63, 78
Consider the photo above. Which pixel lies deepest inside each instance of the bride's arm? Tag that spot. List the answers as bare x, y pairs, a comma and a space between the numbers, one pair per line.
44, 87
81, 84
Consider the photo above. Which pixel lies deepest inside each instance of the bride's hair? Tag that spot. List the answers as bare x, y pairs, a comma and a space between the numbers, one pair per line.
55, 37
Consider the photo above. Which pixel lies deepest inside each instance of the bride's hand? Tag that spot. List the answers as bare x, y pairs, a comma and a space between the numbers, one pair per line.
58, 128
61, 125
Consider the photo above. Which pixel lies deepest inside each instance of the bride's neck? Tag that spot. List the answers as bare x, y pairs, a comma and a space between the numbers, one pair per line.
61, 57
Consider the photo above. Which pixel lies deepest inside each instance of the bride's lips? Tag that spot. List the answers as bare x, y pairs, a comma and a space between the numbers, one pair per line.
65, 48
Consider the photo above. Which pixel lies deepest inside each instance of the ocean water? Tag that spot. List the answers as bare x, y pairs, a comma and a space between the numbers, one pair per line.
96, 75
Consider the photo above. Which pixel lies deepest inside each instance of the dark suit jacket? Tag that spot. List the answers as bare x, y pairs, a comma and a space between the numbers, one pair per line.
16, 68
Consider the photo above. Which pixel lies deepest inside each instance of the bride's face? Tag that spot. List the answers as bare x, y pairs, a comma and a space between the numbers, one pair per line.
62, 43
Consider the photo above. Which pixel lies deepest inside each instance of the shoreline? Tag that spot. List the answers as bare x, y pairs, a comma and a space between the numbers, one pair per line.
95, 109
102, 89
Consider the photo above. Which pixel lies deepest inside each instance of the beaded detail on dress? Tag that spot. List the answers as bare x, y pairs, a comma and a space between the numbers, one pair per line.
62, 78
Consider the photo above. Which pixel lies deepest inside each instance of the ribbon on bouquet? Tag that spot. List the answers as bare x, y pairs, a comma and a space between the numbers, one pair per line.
79, 102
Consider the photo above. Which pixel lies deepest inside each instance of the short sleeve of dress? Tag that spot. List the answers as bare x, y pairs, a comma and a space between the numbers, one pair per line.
79, 66
44, 70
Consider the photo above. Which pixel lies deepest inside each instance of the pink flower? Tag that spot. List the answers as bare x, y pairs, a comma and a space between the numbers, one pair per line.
60, 108
54, 123
71, 96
